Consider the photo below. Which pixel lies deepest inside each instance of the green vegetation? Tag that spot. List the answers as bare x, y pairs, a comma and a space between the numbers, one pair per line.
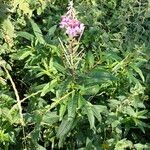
99, 101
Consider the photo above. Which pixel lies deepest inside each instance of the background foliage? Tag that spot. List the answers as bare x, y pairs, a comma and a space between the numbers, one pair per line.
105, 106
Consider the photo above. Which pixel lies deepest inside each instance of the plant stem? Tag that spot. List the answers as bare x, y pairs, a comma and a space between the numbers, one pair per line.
21, 101
72, 56
17, 96
18, 102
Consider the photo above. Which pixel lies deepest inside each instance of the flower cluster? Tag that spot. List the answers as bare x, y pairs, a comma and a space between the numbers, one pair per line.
71, 23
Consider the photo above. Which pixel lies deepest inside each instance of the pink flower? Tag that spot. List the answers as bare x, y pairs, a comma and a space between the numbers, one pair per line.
70, 23
73, 26
73, 23
71, 32
64, 22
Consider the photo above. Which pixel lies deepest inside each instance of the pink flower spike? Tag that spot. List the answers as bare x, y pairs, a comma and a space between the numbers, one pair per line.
71, 32
71, 23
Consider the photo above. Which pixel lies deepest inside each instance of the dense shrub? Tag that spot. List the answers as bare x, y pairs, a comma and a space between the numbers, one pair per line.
97, 98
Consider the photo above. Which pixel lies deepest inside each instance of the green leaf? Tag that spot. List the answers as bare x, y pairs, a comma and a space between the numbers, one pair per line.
49, 87
60, 100
141, 114
81, 102
4, 137
63, 86
24, 6
8, 27
142, 125
101, 74
96, 76
90, 90
140, 146
100, 108
113, 103
2, 81
130, 111
52, 30
50, 118
123, 144
90, 114
25, 35
97, 109
39, 147
62, 110
90, 59
6, 100
37, 32
96, 113
131, 77
25, 54
37, 116
65, 127
72, 106
138, 71
89, 144
22, 54
59, 67
118, 66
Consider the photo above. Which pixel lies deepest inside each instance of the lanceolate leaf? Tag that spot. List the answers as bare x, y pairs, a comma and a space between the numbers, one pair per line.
62, 110
81, 102
96, 76
26, 35
137, 70
52, 30
96, 113
48, 87
37, 32
72, 106
90, 59
90, 114
59, 67
65, 127
22, 54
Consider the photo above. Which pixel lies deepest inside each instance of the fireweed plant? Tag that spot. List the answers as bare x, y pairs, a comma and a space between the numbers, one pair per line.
73, 94
74, 29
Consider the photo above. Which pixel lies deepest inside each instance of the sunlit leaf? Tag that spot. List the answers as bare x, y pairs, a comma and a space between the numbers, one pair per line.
37, 32
25, 35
